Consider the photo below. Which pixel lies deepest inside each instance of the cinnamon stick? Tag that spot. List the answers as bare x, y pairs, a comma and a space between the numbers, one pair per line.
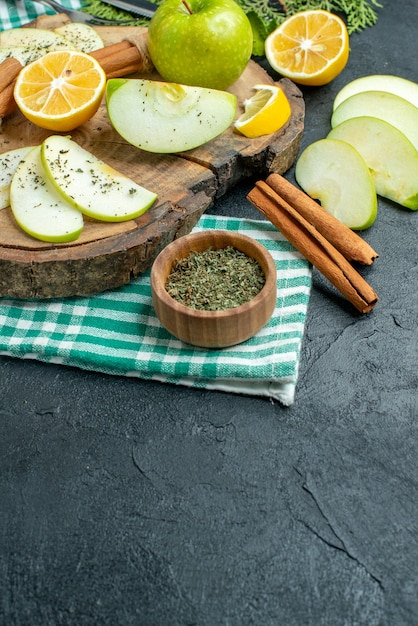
10, 69
314, 247
110, 51
7, 101
124, 60
349, 243
117, 60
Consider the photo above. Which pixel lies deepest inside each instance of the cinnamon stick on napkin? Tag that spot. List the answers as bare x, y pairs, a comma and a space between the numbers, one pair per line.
322, 239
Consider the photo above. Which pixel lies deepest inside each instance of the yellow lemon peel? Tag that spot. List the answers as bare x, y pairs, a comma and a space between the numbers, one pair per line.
265, 112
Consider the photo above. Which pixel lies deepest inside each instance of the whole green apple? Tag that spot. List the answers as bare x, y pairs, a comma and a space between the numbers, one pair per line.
206, 43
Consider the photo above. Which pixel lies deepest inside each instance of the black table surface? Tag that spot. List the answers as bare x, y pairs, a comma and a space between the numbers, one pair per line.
125, 502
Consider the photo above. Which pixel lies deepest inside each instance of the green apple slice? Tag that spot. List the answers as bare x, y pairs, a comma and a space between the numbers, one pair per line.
26, 54
90, 185
383, 105
37, 206
167, 117
8, 165
333, 172
390, 157
396, 85
37, 38
82, 36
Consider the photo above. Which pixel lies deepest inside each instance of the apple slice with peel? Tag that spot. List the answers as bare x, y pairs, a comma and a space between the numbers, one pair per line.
396, 85
383, 105
82, 36
90, 185
37, 206
390, 157
333, 172
167, 117
38, 38
8, 165
27, 54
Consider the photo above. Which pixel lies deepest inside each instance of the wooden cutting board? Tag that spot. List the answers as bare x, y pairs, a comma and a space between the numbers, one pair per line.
109, 255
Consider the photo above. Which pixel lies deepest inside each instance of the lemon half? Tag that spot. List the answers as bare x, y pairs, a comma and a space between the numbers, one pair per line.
310, 47
265, 112
61, 90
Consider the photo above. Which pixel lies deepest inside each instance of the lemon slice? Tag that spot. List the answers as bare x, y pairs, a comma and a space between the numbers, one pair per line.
265, 112
310, 47
61, 90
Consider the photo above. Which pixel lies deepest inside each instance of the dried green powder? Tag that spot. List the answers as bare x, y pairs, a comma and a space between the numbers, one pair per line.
214, 280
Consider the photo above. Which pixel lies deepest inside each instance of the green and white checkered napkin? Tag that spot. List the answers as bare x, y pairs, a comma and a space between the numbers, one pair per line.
117, 332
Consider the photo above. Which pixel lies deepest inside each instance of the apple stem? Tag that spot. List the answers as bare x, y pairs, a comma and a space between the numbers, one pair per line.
188, 7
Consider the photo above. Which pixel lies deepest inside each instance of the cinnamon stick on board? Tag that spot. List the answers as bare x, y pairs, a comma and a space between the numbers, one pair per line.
118, 59
10, 69
314, 247
121, 59
349, 243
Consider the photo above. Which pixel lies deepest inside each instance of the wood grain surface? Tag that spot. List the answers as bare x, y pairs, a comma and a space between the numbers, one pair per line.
109, 255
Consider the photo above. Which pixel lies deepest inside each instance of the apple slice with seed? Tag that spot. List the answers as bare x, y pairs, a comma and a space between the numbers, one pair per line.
90, 185
37, 206
167, 117
333, 172
390, 157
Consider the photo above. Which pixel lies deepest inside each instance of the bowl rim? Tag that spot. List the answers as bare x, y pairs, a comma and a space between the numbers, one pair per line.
269, 269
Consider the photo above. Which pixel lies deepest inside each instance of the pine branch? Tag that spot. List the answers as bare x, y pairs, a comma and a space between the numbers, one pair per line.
359, 14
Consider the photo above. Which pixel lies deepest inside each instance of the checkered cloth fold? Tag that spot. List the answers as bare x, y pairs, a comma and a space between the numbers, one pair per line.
117, 332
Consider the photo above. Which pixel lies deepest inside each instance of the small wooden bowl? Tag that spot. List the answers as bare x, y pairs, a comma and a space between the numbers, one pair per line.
213, 329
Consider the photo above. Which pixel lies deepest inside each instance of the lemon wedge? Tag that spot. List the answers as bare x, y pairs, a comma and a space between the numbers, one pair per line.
265, 112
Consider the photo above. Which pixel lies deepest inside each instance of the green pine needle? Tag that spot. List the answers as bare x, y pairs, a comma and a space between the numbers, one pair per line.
359, 14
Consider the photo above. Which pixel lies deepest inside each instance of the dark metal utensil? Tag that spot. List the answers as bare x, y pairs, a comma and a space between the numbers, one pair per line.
80, 16
140, 7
